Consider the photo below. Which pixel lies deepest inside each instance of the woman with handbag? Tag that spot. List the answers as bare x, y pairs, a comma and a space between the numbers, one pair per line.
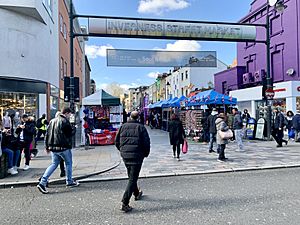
223, 134
176, 134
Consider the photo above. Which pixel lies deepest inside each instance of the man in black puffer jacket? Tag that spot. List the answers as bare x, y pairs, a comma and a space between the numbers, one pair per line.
133, 142
58, 140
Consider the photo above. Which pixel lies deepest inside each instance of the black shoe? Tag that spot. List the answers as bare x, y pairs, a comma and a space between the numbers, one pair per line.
62, 173
279, 146
211, 151
42, 189
126, 208
139, 196
285, 141
47, 184
73, 184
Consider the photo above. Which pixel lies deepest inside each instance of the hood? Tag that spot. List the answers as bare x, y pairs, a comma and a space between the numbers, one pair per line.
219, 120
214, 113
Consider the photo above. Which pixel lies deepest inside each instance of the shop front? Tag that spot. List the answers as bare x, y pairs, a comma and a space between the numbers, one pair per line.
22, 96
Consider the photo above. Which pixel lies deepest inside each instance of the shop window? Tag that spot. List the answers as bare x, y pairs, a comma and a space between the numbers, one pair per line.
66, 69
61, 24
65, 31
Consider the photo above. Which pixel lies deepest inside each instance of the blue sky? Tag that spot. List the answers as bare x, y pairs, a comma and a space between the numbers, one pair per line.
202, 10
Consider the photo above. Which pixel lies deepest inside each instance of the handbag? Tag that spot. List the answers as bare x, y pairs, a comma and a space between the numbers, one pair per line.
225, 134
185, 147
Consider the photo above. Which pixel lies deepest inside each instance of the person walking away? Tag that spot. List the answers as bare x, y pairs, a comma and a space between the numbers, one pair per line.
58, 140
278, 125
133, 142
238, 128
289, 126
296, 126
25, 132
176, 135
41, 125
221, 126
211, 122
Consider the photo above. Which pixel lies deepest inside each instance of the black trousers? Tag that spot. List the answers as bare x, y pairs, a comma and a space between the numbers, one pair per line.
221, 151
24, 146
278, 136
133, 172
178, 150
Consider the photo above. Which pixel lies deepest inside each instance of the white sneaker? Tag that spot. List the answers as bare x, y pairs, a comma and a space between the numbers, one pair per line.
26, 167
16, 168
12, 171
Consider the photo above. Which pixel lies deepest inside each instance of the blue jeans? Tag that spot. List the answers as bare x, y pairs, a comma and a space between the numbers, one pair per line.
13, 156
56, 157
211, 140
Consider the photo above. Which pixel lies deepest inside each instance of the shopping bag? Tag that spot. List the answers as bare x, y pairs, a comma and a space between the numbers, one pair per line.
185, 147
225, 134
291, 133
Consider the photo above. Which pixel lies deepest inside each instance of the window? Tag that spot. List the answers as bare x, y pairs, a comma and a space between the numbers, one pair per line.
186, 93
224, 87
186, 75
65, 31
76, 56
181, 76
49, 6
61, 68
61, 23
182, 90
66, 69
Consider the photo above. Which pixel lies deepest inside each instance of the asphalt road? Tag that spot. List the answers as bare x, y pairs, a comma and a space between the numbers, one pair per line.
257, 197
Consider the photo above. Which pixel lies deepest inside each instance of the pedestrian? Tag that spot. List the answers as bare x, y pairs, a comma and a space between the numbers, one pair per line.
58, 140
278, 125
41, 125
211, 122
151, 120
205, 127
296, 126
246, 116
124, 116
221, 126
133, 142
289, 126
176, 135
238, 128
25, 132
8, 146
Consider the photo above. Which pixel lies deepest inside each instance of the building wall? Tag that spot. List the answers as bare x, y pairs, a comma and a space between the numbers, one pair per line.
284, 41
64, 48
29, 47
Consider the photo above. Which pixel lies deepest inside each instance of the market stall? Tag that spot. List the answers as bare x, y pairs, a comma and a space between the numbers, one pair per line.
103, 117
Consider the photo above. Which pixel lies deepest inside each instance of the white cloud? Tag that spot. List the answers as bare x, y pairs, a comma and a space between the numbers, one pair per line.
153, 75
102, 86
158, 7
93, 51
138, 80
127, 86
182, 45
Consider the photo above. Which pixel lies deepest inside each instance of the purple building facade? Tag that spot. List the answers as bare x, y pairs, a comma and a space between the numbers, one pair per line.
245, 81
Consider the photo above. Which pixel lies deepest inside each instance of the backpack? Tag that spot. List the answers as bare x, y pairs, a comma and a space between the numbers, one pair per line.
39, 123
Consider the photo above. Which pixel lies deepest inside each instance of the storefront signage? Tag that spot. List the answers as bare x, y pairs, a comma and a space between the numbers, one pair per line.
142, 28
298, 88
280, 90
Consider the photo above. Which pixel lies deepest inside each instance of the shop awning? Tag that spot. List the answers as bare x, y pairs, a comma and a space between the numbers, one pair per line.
101, 98
211, 97
177, 102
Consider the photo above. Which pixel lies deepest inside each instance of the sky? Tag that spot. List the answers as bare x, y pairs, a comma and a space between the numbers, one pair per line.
199, 10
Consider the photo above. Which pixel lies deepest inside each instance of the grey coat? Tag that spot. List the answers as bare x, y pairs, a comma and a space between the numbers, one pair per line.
221, 126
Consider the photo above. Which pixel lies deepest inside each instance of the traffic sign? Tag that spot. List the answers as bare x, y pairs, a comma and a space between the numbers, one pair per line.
269, 93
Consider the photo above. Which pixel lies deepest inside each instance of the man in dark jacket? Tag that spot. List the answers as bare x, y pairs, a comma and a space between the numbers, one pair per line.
133, 142
58, 140
238, 128
296, 126
278, 125
25, 132
211, 122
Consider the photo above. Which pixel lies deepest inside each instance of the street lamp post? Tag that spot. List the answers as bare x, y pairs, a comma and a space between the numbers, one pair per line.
71, 87
279, 6
167, 90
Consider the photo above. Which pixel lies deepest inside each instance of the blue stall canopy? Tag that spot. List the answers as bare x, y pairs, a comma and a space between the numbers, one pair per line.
176, 102
211, 97
166, 103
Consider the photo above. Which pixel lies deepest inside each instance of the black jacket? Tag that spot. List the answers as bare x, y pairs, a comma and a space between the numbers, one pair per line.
176, 132
133, 142
59, 134
296, 122
237, 121
211, 121
278, 121
28, 132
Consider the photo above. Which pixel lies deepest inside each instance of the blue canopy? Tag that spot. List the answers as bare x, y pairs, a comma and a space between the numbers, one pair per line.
176, 103
211, 97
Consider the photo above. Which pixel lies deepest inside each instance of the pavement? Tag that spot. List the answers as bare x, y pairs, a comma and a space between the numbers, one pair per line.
104, 163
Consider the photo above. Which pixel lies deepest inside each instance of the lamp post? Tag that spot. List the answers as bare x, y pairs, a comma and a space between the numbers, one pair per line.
167, 90
279, 7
